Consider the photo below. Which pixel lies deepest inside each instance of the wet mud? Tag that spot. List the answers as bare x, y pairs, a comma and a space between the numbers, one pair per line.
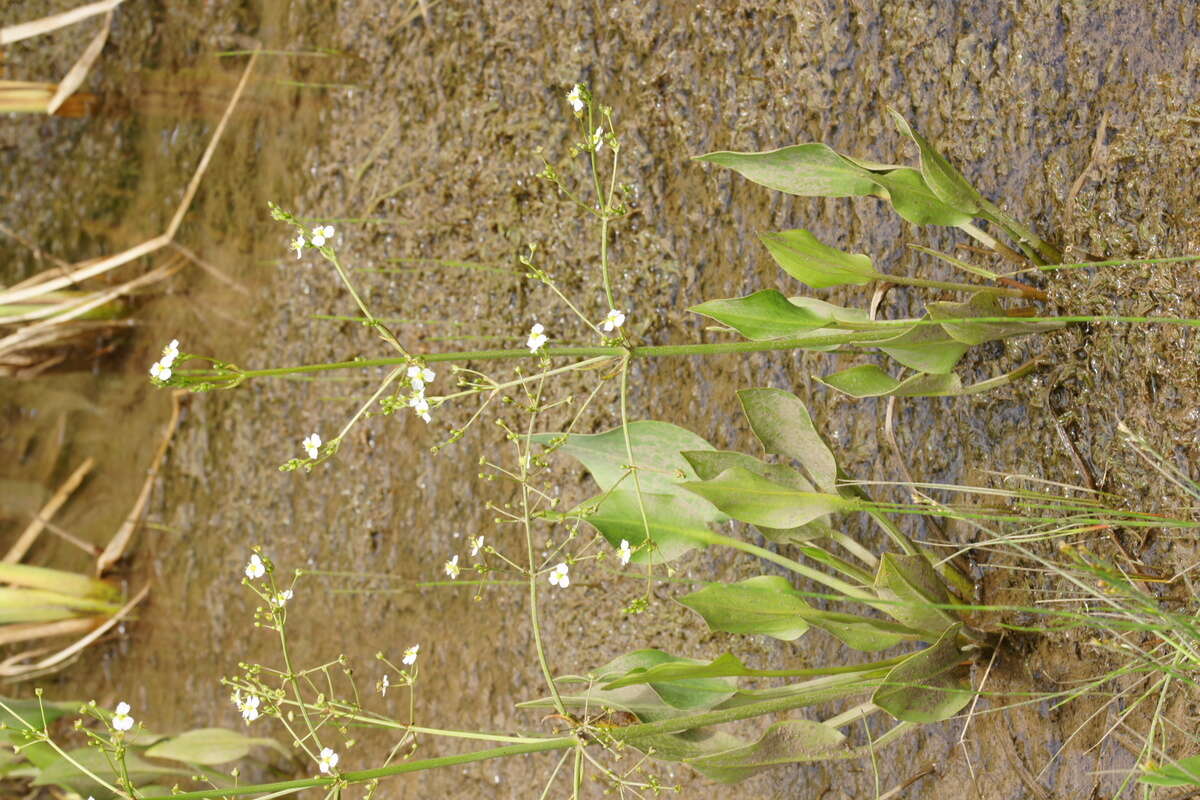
426, 130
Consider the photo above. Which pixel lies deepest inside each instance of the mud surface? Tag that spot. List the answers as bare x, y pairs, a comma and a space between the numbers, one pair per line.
425, 132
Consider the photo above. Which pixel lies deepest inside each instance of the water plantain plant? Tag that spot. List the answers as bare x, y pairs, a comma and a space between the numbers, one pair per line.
662, 487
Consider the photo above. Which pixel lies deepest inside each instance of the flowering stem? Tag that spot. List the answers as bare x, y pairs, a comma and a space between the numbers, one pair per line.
797, 696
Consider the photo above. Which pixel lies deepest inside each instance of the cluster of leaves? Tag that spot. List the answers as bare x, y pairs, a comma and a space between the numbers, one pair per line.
665, 504
148, 761
935, 193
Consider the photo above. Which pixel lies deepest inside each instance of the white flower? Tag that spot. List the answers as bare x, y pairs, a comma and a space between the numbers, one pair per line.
170, 353
624, 552
160, 371
121, 720
598, 138
410, 655
419, 376
383, 685
613, 320
451, 568
537, 339
327, 760
476, 545
312, 445
420, 405
559, 576
298, 245
280, 599
255, 569
248, 705
575, 98
321, 234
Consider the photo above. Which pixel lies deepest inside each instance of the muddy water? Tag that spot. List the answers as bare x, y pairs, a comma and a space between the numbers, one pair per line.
429, 141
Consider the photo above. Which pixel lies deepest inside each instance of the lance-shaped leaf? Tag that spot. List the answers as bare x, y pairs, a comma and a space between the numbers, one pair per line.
66, 774
808, 170
928, 686
711, 463
983, 304
869, 380
765, 605
676, 523
1184, 772
785, 742
801, 255
764, 315
946, 182
745, 496
913, 200
656, 446
784, 427
917, 590
925, 348
651, 703
866, 634
210, 746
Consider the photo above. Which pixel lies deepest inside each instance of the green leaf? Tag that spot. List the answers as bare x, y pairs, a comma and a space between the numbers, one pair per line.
808, 170
686, 693
710, 463
801, 255
655, 445
946, 182
866, 634
209, 746
927, 686
925, 348
763, 315
913, 200
783, 425
650, 703
677, 523
765, 605
869, 380
912, 582
982, 304
65, 774
785, 742
745, 496
723, 666
1184, 772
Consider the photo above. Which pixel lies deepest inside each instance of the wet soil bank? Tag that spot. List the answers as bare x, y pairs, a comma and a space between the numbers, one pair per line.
426, 132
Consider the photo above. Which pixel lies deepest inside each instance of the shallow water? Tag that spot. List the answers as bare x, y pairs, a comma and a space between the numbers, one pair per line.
433, 145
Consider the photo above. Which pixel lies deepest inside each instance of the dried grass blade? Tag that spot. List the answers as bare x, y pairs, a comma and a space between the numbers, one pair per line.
151, 245
30, 534
25, 632
76, 74
116, 547
37, 27
10, 669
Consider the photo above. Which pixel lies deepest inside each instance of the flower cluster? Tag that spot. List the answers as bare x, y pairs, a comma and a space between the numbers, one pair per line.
160, 371
419, 376
319, 236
